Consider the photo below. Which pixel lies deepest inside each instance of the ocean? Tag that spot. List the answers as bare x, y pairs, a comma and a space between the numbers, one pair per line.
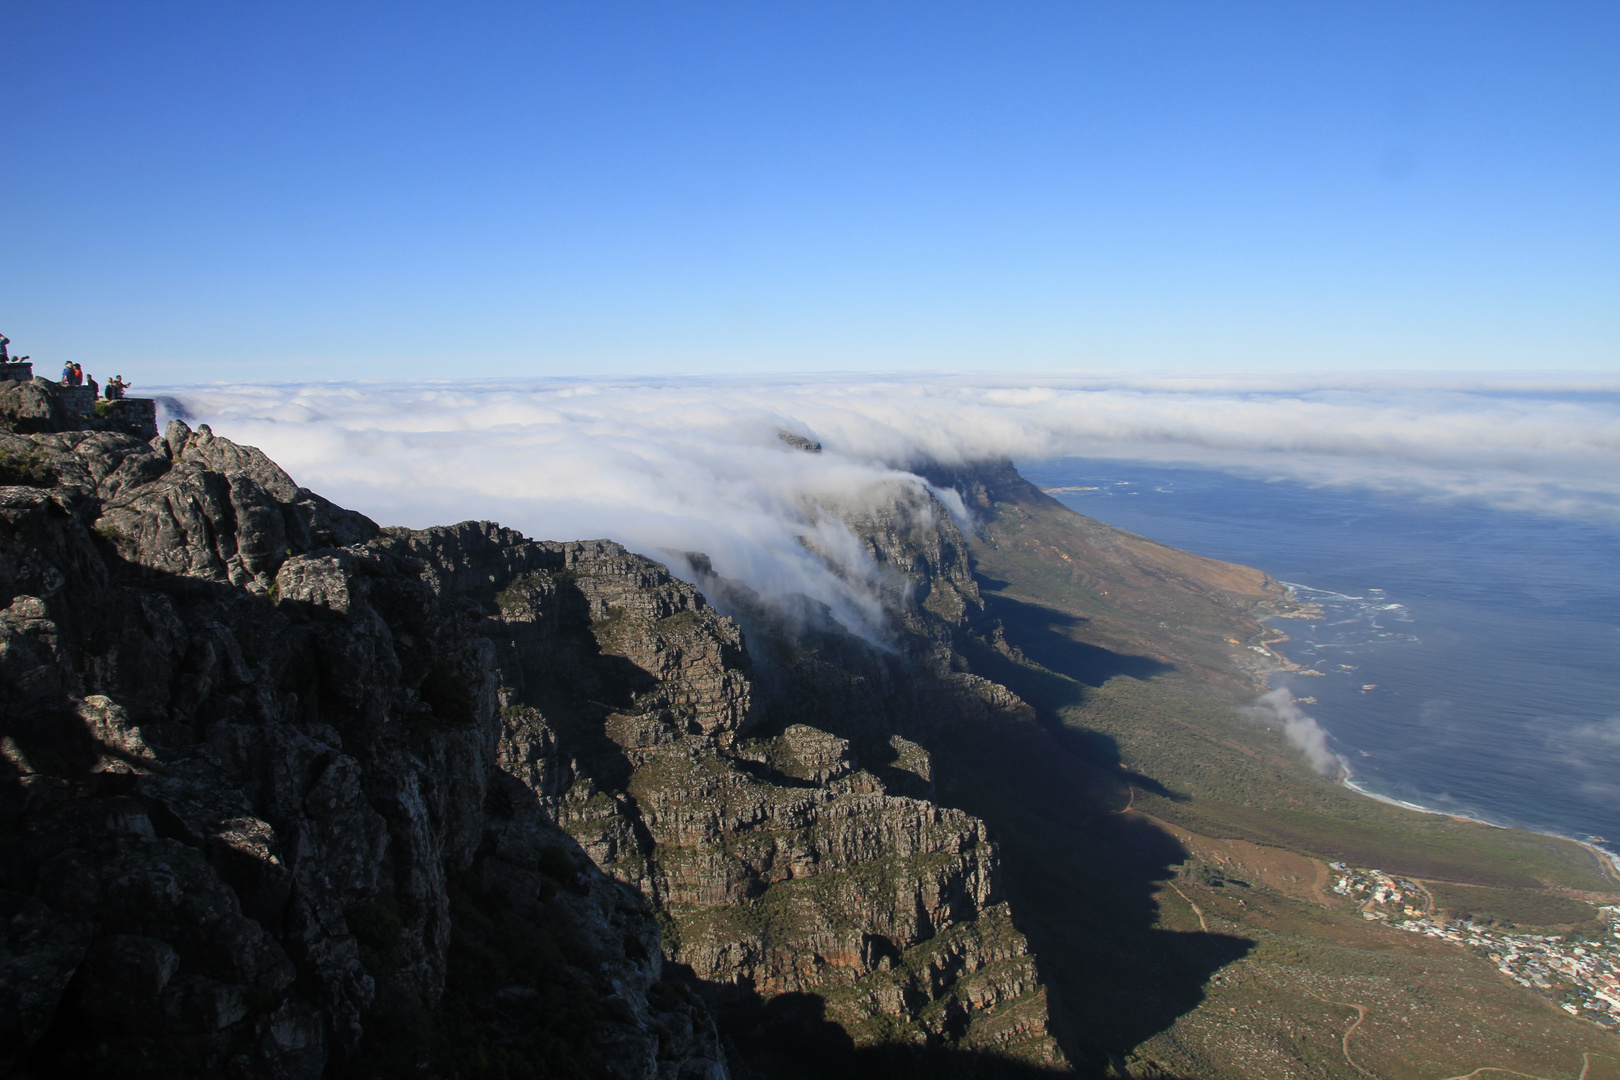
1467, 659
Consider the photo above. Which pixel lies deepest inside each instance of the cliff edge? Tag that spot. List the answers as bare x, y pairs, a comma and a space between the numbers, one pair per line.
286, 794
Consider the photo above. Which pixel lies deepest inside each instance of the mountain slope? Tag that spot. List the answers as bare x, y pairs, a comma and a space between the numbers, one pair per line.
251, 819
1125, 822
286, 794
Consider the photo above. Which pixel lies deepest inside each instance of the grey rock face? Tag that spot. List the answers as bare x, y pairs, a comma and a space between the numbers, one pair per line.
285, 794
29, 406
32, 406
786, 857
252, 815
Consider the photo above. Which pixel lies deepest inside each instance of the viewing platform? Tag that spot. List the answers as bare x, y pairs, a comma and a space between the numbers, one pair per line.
29, 404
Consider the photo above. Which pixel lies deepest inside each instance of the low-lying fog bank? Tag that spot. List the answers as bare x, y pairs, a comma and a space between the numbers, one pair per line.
697, 464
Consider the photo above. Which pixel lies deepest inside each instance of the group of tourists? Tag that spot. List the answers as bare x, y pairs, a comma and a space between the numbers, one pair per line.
73, 375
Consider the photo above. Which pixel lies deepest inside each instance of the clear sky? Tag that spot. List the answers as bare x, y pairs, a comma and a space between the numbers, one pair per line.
292, 191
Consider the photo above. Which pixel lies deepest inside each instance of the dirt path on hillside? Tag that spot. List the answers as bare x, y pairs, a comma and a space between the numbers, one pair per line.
1128, 802
1198, 911
1586, 1068
1344, 1042
1319, 886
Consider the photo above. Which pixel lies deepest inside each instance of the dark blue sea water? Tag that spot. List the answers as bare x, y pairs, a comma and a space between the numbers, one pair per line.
1467, 660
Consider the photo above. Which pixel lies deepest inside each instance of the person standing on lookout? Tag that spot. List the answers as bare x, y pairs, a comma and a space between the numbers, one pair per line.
5, 357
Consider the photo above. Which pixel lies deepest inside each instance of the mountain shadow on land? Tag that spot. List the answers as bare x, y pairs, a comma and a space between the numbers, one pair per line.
1085, 880
1052, 671
1039, 634
788, 1037
1115, 871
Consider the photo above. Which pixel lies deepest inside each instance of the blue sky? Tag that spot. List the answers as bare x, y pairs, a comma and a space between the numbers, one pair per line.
300, 191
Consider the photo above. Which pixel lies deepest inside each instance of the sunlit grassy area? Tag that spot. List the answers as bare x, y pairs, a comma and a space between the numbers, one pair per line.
1226, 964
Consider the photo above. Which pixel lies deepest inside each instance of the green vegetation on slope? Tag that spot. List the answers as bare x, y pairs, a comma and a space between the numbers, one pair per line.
1135, 658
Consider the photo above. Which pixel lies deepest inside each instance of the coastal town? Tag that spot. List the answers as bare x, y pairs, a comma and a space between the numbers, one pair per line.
1580, 974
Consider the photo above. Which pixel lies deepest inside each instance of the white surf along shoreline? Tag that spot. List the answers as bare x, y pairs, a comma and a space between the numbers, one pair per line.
1346, 775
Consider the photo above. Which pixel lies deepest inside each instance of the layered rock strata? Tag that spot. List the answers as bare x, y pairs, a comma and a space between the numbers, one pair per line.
254, 820
284, 793
780, 814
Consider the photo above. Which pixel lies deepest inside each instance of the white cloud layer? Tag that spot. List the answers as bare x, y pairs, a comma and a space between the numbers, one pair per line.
695, 464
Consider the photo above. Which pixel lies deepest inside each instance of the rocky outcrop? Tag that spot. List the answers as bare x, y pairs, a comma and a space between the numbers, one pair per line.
38, 405
30, 405
778, 815
287, 794
254, 819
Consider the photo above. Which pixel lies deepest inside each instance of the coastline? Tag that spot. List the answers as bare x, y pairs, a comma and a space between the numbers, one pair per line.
1606, 856
1608, 859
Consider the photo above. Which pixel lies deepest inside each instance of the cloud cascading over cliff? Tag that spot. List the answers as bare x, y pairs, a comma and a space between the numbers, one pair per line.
697, 464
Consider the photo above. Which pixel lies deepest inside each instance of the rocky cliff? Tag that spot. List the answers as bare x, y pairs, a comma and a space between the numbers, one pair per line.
780, 813
255, 819
287, 794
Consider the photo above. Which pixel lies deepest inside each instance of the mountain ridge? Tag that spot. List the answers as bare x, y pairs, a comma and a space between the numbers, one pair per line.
286, 793
355, 743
